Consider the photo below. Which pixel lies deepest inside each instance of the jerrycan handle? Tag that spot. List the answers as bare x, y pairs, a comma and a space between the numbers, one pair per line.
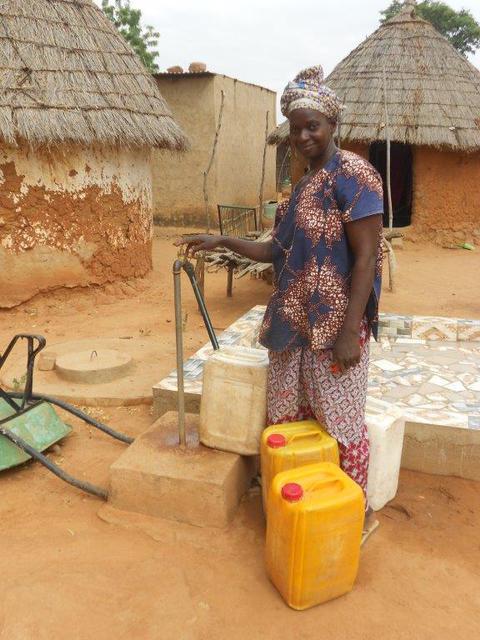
328, 482
305, 434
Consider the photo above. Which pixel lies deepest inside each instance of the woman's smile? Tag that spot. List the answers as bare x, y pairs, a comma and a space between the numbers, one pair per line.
307, 147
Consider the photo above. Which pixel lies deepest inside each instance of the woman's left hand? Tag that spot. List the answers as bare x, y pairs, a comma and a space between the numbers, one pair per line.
346, 352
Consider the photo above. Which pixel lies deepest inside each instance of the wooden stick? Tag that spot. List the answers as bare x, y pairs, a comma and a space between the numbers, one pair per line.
207, 171
392, 264
389, 157
339, 126
282, 166
262, 181
231, 267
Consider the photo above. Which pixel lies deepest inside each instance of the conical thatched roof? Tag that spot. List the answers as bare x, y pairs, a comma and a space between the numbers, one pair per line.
432, 91
66, 74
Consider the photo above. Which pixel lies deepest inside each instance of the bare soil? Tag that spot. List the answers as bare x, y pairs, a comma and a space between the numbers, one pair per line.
68, 572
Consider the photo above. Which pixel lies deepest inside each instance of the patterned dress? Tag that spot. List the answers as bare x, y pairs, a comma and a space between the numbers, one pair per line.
312, 265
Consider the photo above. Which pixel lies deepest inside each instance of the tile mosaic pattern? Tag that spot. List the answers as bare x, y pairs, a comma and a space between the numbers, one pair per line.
468, 330
433, 380
436, 329
394, 325
429, 328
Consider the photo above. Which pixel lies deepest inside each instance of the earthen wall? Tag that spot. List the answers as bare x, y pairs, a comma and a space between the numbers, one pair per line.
235, 175
178, 178
72, 217
446, 196
238, 163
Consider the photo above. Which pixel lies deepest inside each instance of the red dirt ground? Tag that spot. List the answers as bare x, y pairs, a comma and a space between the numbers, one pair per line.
66, 572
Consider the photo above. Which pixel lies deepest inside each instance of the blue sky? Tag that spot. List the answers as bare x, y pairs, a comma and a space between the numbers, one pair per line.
265, 42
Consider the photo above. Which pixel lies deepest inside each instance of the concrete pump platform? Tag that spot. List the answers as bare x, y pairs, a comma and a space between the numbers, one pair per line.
196, 485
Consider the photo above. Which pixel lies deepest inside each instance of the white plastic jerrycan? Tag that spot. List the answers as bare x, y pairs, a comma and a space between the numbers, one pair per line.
386, 429
233, 409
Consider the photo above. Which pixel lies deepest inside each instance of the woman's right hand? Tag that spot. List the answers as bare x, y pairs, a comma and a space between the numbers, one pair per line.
199, 242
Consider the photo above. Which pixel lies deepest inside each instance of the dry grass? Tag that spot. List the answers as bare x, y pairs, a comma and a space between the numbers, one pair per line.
67, 75
433, 92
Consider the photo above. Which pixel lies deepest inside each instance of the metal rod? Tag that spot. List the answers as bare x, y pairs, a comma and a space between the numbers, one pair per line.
79, 414
8, 398
177, 287
190, 271
51, 466
32, 352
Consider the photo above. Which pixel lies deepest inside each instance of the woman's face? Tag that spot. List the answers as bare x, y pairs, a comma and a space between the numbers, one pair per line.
310, 132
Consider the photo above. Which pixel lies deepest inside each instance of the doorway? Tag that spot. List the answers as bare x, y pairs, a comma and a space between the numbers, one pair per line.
401, 178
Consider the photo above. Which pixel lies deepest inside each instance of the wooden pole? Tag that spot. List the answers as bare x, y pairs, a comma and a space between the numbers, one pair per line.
339, 126
389, 156
287, 156
391, 254
262, 181
212, 157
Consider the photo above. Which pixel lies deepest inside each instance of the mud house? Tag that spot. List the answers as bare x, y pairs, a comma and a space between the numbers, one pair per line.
78, 117
235, 177
432, 94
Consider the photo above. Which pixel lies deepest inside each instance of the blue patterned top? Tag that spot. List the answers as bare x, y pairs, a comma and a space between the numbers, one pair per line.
312, 259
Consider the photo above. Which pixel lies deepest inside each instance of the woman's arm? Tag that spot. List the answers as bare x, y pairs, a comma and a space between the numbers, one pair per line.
257, 251
363, 237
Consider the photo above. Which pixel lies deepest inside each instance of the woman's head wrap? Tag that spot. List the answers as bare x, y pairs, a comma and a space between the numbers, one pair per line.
307, 91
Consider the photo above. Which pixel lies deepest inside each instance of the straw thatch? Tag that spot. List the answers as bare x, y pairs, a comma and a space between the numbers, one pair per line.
280, 134
67, 75
432, 91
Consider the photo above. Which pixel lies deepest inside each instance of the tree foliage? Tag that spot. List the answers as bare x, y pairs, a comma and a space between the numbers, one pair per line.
460, 27
143, 40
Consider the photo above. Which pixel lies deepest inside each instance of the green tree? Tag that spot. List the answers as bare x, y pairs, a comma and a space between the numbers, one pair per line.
460, 27
143, 40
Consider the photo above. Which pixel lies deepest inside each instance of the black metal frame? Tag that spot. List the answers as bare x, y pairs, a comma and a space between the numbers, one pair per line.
244, 214
30, 400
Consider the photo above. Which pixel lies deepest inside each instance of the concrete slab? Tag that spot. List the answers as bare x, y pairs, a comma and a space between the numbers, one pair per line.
441, 450
195, 485
435, 384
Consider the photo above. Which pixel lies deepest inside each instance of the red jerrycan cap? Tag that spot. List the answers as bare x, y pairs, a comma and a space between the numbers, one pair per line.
276, 441
292, 492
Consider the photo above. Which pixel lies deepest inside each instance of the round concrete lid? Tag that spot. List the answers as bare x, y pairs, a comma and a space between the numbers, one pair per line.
94, 366
149, 364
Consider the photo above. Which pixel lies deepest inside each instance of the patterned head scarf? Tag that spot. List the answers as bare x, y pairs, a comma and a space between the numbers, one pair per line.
308, 91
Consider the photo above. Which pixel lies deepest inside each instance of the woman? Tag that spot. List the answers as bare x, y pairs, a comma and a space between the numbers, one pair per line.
326, 253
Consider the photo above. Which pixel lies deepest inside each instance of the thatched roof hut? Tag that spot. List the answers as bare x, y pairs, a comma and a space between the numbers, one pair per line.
78, 113
66, 75
432, 94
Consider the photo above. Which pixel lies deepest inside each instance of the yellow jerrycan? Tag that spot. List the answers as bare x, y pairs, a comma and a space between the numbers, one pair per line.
314, 531
287, 446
